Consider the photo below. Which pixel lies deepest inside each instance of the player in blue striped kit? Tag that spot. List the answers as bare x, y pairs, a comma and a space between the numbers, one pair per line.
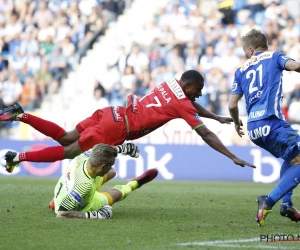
259, 79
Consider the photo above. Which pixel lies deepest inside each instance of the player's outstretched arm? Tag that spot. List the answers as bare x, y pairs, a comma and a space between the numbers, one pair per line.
213, 141
203, 112
292, 65
103, 213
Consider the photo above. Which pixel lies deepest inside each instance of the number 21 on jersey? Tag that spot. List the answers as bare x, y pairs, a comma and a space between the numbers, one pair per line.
252, 74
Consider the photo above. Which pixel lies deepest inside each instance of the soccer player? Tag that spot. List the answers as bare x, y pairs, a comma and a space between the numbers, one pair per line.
113, 125
77, 194
259, 80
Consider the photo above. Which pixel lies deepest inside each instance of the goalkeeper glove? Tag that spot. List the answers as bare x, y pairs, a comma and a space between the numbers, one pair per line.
129, 149
103, 213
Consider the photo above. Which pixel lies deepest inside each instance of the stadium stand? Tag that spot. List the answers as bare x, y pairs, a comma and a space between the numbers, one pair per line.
72, 49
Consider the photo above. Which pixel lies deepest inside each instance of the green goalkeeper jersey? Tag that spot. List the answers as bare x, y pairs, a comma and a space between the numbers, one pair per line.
76, 188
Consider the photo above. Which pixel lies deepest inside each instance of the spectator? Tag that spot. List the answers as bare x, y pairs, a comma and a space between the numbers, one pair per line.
209, 60
24, 73
68, 50
42, 16
34, 62
29, 94
45, 31
43, 79
47, 46
127, 82
16, 61
155, 60
138, 59
58, 67
29, 45
94, 23
110, 10
62, 31
99, 101
11, 90
192, 59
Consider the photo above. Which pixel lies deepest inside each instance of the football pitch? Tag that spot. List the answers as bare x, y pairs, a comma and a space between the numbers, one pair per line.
160, 215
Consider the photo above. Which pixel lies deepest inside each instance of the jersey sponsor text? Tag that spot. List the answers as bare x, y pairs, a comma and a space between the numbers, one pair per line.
256, 59
176, 89
256, 114
259, 132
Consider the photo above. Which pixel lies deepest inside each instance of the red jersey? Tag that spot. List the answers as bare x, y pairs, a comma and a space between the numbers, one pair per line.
166, 102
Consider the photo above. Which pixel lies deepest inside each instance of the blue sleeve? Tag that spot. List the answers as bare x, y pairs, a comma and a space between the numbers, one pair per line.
282, 59
236, 88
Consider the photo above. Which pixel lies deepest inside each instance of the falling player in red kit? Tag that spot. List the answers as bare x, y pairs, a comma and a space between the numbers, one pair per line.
113, 125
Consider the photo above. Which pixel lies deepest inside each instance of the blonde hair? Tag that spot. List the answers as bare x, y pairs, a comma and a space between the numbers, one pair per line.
256, 39
103, 154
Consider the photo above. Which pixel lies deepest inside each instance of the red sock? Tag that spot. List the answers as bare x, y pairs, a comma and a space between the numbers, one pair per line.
45, 127
49, 154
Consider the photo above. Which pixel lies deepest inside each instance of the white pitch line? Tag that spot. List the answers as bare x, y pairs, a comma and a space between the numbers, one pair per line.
207, 243
225, 243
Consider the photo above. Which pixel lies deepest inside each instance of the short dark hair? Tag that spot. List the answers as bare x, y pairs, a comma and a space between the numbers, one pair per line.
255, 38
192, 76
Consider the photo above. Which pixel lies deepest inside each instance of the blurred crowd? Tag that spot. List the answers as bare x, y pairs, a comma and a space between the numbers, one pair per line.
203, 35
38, 40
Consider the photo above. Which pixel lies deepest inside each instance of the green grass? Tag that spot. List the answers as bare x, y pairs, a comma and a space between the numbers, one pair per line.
160, 215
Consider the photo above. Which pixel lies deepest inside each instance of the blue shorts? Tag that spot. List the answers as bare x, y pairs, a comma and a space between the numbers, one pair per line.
276, 136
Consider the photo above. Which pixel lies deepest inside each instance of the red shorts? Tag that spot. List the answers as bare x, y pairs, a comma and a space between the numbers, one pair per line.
104, 126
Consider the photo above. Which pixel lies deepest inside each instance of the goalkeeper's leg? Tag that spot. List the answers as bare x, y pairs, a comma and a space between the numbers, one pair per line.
120, 192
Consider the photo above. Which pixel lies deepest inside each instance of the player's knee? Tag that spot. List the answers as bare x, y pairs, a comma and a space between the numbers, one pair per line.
124, 191
296, 160
69, 137
72, 150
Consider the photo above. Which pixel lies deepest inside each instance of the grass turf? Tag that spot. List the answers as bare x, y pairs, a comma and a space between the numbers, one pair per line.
160, 215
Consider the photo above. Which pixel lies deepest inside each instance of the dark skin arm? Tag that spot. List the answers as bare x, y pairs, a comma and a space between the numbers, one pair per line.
207, 114
214, 142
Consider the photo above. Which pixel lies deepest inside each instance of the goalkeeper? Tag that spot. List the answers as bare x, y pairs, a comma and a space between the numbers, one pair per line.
77, 194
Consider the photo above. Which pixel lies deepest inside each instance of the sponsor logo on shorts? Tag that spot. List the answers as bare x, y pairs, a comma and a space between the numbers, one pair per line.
259, 132
134, 107
116, 114
76, 196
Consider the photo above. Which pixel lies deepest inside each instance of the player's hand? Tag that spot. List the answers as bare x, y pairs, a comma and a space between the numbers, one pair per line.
226, 120
105, 212
129, 149
239, 128
242, 163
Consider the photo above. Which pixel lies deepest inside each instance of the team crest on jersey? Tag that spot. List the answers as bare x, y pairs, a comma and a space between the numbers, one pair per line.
197, 117
234, 86
116, 114
176, 88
